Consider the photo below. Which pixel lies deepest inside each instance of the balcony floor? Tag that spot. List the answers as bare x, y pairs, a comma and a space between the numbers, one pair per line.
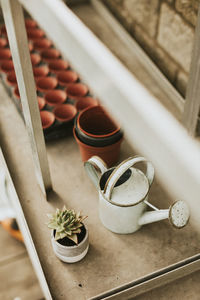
112, 259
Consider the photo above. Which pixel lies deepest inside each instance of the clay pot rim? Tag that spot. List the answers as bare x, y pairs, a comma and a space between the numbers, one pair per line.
75, 84
98, 142
97, 135
12, 83
48, 59
52, 118
44, 78
69, 118
84, 99
67, 83
55, 103
35, 29
36, 62
41, 68
39, 41
29, 21
43, 102
7, 70
15, 92
101, 149
58, 60
5, 41
8, 51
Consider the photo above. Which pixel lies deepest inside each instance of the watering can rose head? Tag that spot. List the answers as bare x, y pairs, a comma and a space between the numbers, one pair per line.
66, 223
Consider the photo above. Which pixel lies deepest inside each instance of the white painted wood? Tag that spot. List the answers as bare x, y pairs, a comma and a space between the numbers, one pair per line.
192, 105
14, 20
148, 126
25, 230
153, 280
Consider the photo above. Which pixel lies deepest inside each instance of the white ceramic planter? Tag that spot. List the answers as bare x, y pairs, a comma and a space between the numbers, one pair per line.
71, 254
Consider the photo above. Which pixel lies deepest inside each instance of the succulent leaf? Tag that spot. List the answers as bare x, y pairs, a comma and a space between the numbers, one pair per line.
67, 223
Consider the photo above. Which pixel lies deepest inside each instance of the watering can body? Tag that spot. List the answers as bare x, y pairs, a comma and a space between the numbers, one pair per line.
123, 196
122, 193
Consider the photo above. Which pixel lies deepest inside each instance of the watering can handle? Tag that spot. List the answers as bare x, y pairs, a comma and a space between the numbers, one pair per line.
93, 165
122, 168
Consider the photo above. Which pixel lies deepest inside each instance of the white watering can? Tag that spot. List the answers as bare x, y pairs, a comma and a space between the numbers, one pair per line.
123, 196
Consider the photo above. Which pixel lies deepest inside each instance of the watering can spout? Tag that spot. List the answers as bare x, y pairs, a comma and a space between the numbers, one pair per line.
153, 216
178, 214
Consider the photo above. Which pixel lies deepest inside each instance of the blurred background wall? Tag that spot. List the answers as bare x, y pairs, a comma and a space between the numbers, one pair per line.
164, 29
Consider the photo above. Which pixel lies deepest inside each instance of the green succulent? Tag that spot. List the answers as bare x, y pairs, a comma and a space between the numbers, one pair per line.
67, 223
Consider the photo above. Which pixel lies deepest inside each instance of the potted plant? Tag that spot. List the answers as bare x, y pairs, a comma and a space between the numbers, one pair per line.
69, 235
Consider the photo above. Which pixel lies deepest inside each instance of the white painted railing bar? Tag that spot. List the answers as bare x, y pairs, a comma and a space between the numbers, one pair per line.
148, 126
14, 20
25, 230
192, 105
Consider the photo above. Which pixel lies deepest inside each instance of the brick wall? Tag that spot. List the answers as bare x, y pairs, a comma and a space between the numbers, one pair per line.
164, 29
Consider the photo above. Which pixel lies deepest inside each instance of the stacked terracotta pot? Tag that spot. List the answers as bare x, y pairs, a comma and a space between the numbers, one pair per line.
59, 90
98, 134
61, 95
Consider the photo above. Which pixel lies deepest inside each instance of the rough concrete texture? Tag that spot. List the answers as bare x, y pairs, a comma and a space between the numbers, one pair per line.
185, 288
188, 9
176, 24
157, 54
144, 13
116, 7
175, 36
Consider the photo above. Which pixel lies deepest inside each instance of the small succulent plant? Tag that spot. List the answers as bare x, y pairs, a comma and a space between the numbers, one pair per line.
67, 223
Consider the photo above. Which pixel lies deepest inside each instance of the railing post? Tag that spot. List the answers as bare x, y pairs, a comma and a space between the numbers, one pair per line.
192, 104
15, 26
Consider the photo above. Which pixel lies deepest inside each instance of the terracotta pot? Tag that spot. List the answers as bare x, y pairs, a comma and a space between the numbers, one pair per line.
3, 30
47, 119
11, 78
5, 54
66, 78
45, 84
95, 122
16, 93
49, 54
3, 42
7, 66
35, 33
30, 23
41, 71
41, 102
77, 90
65, 112
109, 154
58, 65
85, 102
30, 46
55, 97
35, 59
42, 44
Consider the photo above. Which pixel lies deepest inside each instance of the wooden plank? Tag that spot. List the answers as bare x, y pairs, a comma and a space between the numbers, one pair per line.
13, 247
148, 126
99, 271
19, 280
14, 20
153, 280
192, 104
25, 230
